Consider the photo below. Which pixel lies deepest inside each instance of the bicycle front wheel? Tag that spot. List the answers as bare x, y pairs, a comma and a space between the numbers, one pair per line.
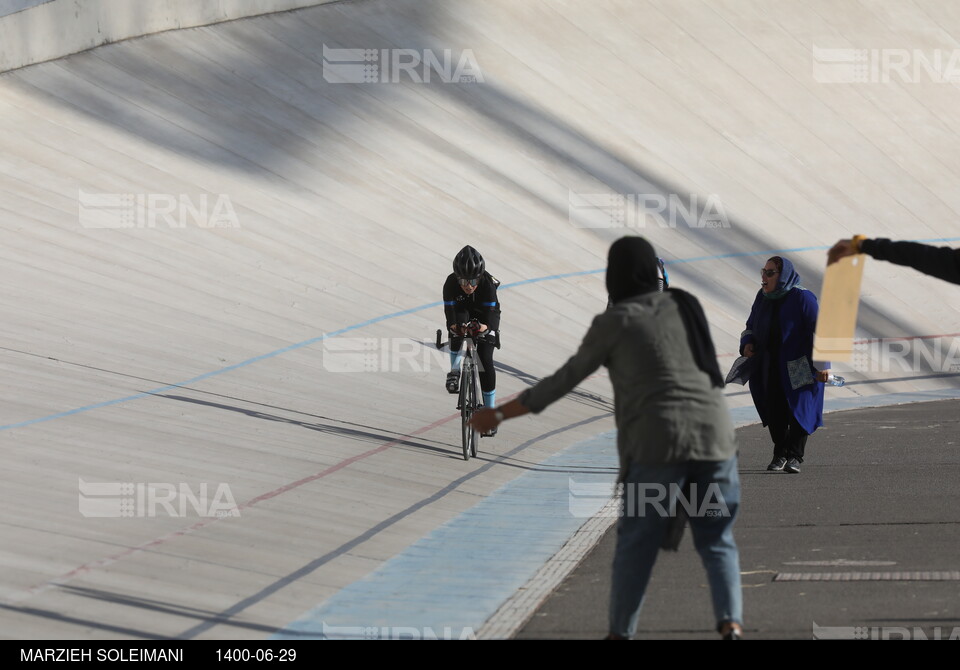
475, 385
466, 411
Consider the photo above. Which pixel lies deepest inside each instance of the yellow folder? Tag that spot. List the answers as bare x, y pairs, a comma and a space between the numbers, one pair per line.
837, 319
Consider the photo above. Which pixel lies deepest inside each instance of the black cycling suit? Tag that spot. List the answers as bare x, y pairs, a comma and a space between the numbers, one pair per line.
482, 305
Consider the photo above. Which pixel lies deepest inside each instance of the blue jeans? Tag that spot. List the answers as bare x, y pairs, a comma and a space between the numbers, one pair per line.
647, 493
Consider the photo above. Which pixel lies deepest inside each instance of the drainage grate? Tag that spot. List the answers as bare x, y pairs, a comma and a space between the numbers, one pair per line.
892, 576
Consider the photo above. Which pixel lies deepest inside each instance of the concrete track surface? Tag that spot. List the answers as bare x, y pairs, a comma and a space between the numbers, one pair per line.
222, 265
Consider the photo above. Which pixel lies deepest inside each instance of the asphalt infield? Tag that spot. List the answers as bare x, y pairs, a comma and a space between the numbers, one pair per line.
863, 543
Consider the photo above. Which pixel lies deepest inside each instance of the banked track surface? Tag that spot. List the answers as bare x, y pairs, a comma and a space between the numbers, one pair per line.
241, 354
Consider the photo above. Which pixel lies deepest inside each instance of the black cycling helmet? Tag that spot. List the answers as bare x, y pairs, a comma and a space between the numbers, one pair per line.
468, 264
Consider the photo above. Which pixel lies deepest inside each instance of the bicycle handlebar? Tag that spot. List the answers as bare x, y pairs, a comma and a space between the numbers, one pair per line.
472, 329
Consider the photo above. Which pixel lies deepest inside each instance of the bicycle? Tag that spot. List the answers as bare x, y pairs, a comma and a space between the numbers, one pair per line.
469, 399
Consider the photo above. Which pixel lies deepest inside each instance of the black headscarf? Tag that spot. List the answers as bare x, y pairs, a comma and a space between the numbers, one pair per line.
632, 270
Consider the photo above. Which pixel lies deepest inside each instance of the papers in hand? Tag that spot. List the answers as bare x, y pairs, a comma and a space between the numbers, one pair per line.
741, 370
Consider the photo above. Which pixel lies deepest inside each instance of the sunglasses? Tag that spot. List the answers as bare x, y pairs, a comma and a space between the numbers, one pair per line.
469, 282
768, 273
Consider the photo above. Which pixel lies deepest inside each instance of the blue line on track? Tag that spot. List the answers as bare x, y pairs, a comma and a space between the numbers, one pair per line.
368, 322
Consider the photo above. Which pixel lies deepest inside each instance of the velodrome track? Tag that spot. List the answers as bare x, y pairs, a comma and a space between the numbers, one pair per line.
287, 353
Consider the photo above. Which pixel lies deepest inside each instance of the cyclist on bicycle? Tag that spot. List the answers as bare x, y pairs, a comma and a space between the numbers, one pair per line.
469, 293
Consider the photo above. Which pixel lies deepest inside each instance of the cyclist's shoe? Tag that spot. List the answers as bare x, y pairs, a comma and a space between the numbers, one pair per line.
490, 433
453, 382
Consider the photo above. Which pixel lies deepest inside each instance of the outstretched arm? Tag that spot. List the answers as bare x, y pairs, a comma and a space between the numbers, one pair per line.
592, 353
940, 262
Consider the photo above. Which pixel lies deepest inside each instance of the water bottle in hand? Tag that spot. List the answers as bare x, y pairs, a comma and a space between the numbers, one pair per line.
836, 380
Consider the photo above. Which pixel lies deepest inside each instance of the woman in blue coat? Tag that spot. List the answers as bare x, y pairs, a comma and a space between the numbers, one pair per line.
787, 389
